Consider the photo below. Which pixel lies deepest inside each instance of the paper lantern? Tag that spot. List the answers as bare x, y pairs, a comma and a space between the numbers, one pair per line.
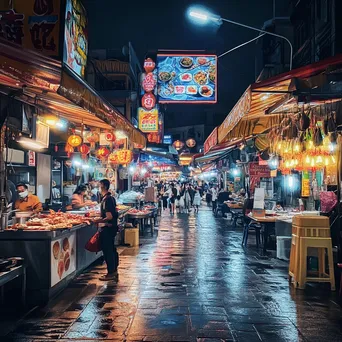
149, 82
149, 64
92, 138
178, 144
103, 152
148, 101
110, 137
75, 140
84, 150
113, 158
191, 142
69, 149
124, 156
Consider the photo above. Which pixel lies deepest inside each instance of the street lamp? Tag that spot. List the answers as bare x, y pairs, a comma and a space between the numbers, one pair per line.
203, 16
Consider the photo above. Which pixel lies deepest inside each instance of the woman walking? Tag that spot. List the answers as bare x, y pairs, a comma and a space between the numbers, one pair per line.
197, 200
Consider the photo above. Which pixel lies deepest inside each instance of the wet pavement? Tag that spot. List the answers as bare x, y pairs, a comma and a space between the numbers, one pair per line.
194, 282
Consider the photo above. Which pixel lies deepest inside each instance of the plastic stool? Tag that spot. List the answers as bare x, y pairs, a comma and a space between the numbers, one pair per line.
321, 244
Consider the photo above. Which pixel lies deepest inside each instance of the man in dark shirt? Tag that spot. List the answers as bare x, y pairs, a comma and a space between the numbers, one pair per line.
108, 227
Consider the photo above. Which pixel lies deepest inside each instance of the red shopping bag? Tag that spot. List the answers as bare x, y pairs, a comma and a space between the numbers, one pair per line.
328, 201
93, 245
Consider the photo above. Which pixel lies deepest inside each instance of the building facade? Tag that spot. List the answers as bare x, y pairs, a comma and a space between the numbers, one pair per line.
317, 28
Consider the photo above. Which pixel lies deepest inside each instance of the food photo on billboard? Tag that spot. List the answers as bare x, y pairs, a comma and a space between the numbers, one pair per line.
75, 37
187, 78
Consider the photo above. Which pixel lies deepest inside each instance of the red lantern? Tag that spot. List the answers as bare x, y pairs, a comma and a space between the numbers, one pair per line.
74, 140
149, 65
178, 145
84, 150
148, 101
69, 149
110, 137
191, 142
149, 82
124, 156
113, 158
103, 152
92, 138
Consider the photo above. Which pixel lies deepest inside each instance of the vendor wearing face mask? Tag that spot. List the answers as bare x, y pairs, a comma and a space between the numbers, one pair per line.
26, 201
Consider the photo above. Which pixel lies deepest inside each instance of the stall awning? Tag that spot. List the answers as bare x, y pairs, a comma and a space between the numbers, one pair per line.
47, 84
256, 110
217, 151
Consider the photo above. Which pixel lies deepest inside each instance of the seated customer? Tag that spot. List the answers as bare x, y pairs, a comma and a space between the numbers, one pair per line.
222, 197
27, 201
78, 198
278, 206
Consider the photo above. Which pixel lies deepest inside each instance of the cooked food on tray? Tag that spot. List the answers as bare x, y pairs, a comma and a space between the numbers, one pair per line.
165, 76
186, 77
191, 90
179, 89
202, 60
52, 221
186, 62
206, 91
201, 77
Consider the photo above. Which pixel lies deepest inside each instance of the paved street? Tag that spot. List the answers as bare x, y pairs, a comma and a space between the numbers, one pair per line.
195, 282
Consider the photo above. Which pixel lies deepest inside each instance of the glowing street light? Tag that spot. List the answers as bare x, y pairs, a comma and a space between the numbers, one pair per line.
202, 16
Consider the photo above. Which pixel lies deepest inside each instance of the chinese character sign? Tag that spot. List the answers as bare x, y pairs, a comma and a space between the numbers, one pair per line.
76, 37
33, 24
148, 120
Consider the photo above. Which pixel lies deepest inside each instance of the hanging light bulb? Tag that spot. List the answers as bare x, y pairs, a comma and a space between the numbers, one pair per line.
326, 161
312, 162
333, 159
307, 160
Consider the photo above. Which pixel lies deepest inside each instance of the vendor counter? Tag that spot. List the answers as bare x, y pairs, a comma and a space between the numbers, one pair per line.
52, 258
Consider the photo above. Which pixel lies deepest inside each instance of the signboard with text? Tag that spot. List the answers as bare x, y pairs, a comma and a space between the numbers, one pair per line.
187, 78
75, 37
33, 24
148, 120
256, 172
211, 141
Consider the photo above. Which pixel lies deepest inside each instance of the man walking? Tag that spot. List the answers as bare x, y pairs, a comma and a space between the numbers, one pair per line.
108, 228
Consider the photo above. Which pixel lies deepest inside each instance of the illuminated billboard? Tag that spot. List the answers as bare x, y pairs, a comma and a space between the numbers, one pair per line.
76, 37
187, 78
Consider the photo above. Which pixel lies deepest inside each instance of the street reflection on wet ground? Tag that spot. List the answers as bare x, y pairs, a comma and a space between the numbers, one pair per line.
194, 282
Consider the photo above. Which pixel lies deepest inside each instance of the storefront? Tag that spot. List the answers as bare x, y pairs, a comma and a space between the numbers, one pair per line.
56, 133
293, 121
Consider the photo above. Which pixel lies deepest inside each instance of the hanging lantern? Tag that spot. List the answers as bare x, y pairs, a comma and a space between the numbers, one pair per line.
110, 137
149, 65
92, 138
148, 101
103, 152
84, 150
191, 143
75, 140
178, 145
69, 149
124, 156
113, 158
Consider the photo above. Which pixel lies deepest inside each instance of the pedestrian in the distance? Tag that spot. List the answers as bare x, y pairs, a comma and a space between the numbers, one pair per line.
197, 200
214, 194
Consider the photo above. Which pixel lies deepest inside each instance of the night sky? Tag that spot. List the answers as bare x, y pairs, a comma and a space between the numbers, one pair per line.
154, 24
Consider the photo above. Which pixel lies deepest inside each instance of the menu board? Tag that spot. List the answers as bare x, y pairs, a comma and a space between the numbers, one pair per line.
187, 79
76, 37
63, 258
